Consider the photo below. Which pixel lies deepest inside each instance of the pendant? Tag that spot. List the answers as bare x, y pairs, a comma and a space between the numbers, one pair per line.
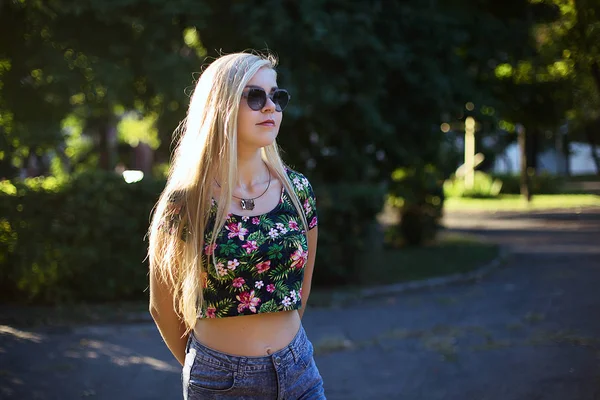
247, 204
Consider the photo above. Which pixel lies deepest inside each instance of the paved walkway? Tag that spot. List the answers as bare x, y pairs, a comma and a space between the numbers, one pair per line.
527, 331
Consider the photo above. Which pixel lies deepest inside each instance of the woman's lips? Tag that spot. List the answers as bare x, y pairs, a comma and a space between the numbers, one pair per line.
268, 122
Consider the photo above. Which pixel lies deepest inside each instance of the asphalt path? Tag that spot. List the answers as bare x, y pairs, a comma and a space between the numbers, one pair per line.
529, 330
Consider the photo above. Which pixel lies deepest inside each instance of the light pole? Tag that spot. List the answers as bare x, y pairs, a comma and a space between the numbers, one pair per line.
469, 153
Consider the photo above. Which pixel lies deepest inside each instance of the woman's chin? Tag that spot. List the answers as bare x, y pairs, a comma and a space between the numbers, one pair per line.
257, 140
265, 140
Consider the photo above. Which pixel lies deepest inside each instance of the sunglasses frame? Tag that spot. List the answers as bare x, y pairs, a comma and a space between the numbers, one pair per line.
278, 107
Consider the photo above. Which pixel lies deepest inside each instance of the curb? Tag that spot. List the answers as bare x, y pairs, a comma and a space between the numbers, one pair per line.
437, 282
397, 288
342, 297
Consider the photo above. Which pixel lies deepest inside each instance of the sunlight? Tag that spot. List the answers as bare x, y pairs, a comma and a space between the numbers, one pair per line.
118, 355
131, 176
19, 334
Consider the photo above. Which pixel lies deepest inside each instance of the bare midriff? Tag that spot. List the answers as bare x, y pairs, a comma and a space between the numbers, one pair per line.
249, 335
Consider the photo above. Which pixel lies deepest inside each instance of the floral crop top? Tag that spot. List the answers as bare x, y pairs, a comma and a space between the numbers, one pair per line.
259, 259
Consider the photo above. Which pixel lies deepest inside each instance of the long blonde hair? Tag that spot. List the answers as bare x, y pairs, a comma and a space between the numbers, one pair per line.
206, 145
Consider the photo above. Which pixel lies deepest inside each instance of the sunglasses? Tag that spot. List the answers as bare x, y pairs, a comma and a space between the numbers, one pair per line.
257, 98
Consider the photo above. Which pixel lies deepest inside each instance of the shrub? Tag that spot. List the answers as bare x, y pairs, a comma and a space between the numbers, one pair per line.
79, 239
543, 183
347, 230
417, 196
484, 186
82, 239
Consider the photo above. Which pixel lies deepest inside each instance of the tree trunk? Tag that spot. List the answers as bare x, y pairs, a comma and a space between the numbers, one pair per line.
566, 148
532, 149
106, 133
582, 23
590, 138
104, 150
142, 155
30, 164
525, 185
595, 70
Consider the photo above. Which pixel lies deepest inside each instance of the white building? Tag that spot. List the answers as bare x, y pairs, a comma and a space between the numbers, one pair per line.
551, 161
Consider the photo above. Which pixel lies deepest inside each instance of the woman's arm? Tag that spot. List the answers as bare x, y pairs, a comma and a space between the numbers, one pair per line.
309, 267
169, 324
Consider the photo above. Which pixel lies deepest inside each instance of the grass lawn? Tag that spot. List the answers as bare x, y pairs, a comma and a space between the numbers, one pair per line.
584, 178
515, 202
450, 255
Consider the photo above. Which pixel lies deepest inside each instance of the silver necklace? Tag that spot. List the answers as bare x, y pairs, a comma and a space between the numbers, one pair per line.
248, 204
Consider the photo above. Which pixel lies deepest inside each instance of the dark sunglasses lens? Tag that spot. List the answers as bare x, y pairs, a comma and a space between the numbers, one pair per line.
281, 98
256, 99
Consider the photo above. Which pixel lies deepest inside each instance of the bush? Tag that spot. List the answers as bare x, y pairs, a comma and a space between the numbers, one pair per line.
484, 186
82, 239
347, 230
417, 196
543, 183
79, 239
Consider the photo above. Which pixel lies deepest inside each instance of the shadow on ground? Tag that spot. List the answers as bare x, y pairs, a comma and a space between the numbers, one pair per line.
528, 331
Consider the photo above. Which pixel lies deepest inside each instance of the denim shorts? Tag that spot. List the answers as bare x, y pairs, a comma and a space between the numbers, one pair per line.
290, 373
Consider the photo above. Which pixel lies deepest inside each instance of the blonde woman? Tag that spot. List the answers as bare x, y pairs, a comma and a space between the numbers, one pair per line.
232, 243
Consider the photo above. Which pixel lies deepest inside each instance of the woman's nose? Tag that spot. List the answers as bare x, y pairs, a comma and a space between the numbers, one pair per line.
269, 105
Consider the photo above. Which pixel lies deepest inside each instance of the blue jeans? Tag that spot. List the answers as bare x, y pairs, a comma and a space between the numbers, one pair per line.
290, 373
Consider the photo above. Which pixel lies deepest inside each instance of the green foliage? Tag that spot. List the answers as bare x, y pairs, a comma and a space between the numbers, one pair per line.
132, 130
88, 58
371, 83
543, 183
81, 239
384, 73
416, 194
484, 186
346, 230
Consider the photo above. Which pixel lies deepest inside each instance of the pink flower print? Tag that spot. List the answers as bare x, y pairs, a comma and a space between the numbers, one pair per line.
255, 220
233, 264
313, 223
307, 207
222, 272
286, 301
238, 282
210, 249
245, 218
221, 269
259, 284
211, 312
236, 230
270, 288
263, 266
247, 300
281, 227
297, 183
250, 246
294, 296
293, 225
273, 233
300, 293
299, 258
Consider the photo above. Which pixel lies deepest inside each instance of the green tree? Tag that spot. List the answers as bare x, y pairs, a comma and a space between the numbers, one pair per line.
50, 67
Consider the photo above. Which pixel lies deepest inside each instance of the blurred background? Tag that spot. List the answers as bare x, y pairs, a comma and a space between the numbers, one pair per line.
403, 115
